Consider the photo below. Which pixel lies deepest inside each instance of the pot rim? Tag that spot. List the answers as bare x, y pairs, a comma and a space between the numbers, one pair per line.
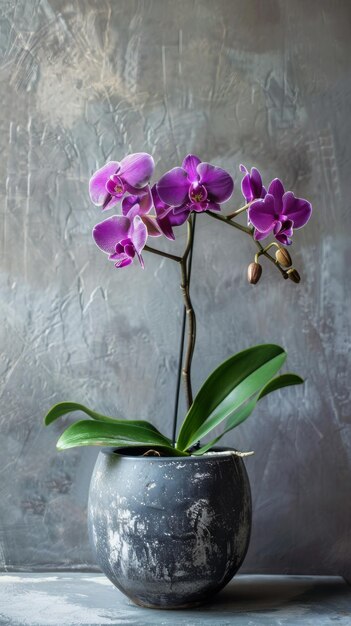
122, 453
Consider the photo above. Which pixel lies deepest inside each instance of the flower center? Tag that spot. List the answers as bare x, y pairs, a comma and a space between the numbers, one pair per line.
115, 186
126, 246
197, 193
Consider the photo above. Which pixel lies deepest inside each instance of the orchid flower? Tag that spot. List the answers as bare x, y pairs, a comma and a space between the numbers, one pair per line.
122, 237
251, 184
166, 218
144, 201
195, 186
278, 212
111, 182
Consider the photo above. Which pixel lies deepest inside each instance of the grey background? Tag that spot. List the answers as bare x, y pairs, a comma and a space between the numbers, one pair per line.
264, 83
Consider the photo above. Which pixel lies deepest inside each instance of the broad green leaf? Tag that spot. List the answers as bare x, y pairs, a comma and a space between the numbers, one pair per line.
241, 414
58, 410
238, 416
227, 388
63, 408
87, 433
285, 380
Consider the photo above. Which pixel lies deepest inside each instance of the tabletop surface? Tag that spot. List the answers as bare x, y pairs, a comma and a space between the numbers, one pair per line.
77, 599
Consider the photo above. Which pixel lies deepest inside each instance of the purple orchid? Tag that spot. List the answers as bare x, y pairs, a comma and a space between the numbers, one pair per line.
195, 186
251, 184
111, 182
166, 218
144, 202
122, 237
280, 212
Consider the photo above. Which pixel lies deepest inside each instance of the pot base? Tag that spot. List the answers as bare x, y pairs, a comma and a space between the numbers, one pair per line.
177, 607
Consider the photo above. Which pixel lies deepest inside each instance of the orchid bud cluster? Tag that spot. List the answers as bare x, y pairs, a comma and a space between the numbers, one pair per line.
194, 187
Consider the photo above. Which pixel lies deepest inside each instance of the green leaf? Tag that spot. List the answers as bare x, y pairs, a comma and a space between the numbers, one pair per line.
58, 410
285, 380
234, 420
231, 385
126, 434
63, 408
245, 411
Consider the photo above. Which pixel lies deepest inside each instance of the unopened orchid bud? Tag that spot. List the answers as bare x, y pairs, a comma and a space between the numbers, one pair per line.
294, 275
283, 257
254, 272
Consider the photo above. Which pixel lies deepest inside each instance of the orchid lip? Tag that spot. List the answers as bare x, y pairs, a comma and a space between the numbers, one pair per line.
130, 250
115, 186
197, 193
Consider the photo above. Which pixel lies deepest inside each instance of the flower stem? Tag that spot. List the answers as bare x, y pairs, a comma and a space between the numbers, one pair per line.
181, 348
263, 251
238, 211
226, 219
167, 255
190, 313
249, 231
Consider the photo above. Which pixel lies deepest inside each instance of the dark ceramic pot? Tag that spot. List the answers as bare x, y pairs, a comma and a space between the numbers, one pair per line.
169, 532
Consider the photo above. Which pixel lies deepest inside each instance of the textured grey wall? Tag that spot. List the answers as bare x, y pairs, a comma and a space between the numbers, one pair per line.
264, 83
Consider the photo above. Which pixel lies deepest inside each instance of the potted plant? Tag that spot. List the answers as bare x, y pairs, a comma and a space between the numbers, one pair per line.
170, 516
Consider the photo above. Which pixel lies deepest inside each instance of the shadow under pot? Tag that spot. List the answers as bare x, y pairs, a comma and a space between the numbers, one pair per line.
169, 532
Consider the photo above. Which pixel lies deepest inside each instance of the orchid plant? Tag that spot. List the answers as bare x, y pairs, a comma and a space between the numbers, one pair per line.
231, 392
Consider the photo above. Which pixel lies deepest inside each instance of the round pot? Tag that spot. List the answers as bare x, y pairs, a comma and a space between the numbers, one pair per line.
169, 532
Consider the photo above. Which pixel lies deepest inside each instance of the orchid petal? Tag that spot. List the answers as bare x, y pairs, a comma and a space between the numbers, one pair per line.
276, 189
124, 261
199, 207
111, 231
213, 206
133, 211
172, 219
173, 186
137, 169
186, 206
143, 199
277, 227
218, 182
151, 224
166, 228
141, 261
251, 184
130, 250
128, 202
297, 209
97, 189
261, 213
138, 234
285, 232
256, 179
258, 236
282, 238
246, 188
190, 164
110, 201
287, 228
177, 219
161, 207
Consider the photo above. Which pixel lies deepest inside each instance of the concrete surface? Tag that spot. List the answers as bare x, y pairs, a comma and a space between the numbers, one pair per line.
75, 599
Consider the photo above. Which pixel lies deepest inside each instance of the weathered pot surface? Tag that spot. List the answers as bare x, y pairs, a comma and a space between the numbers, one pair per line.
169, 532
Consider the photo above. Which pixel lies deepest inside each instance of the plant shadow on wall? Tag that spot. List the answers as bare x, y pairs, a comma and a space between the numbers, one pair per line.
225, 400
